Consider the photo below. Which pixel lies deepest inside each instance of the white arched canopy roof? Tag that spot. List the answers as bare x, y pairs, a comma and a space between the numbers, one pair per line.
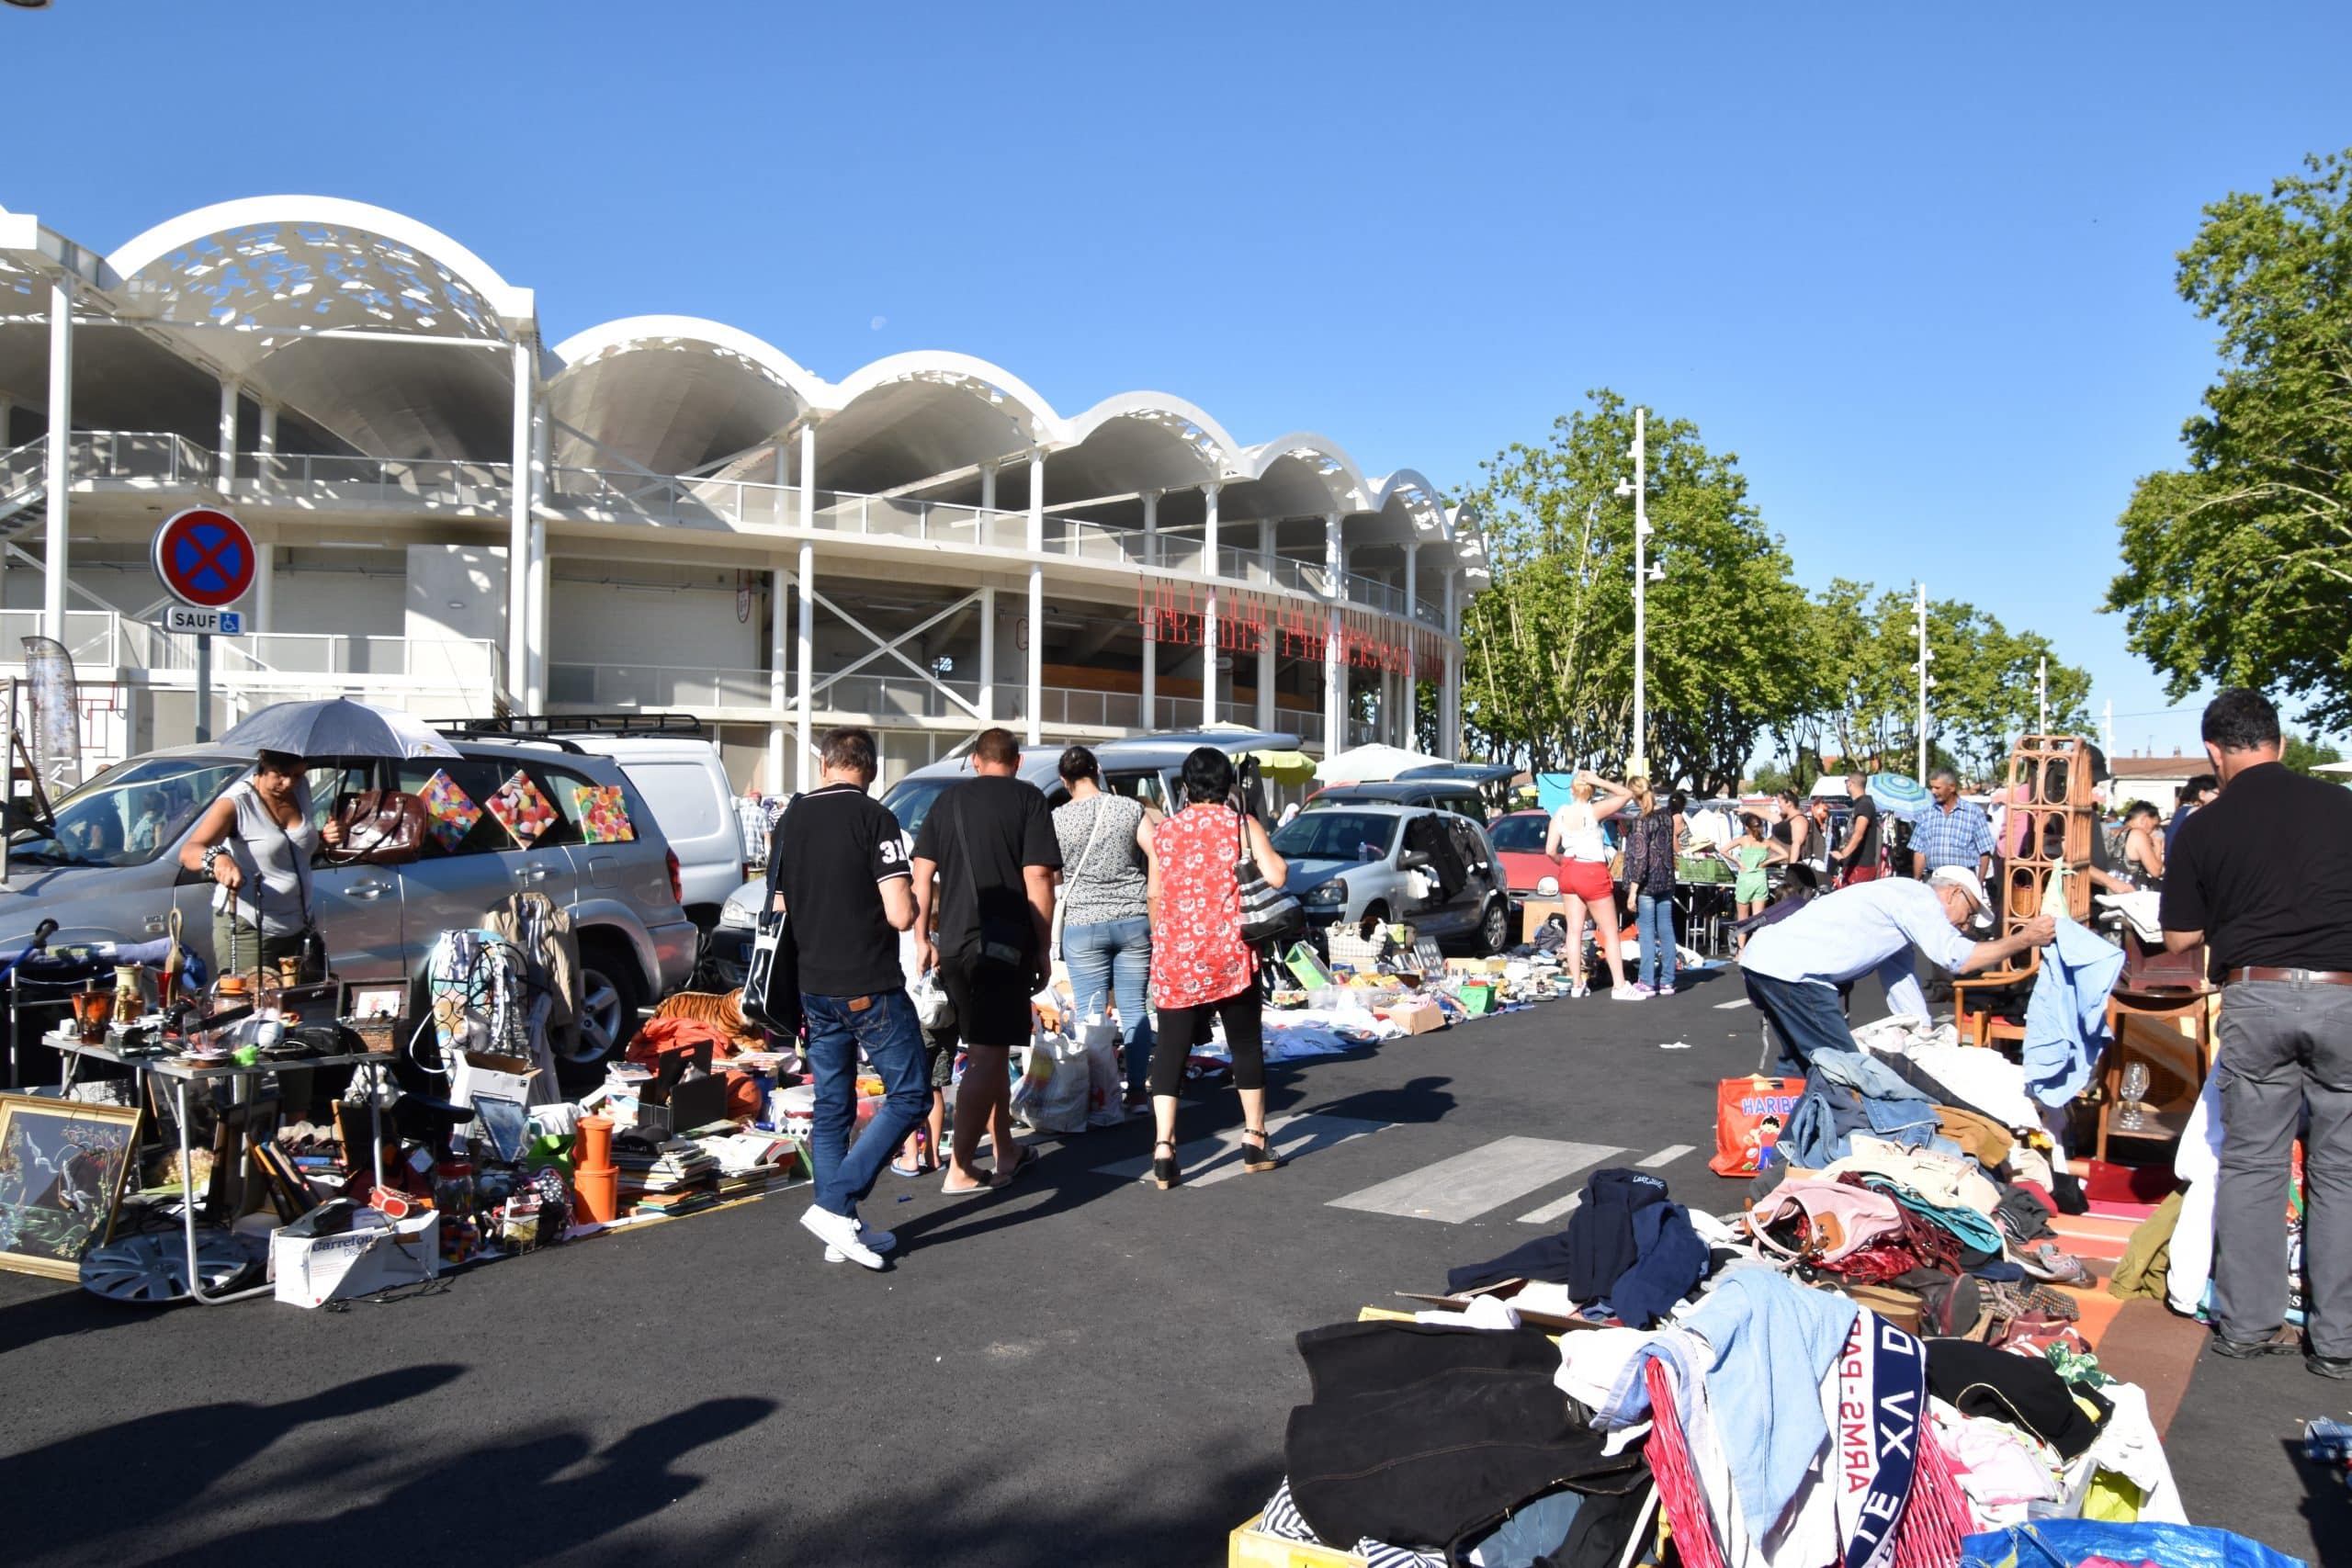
673, 393
915, 415
1300, 475
1138, 442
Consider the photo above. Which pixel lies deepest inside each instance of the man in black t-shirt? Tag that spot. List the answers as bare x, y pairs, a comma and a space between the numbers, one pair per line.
984, 859
1858, 856
837, 868
2263, 876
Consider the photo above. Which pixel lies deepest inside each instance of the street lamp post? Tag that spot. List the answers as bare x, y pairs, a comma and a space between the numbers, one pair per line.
1638, 487
2042, 692
1926, 681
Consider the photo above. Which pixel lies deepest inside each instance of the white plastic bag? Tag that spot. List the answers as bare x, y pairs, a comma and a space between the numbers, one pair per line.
1053, 1092
1106, 1085
934, 1009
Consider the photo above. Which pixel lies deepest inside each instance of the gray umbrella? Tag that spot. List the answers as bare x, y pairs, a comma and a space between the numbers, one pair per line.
337, 727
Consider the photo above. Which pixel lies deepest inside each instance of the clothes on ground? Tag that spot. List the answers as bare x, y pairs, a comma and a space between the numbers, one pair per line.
834, 849
1868, 929
982, 834
2065, 1019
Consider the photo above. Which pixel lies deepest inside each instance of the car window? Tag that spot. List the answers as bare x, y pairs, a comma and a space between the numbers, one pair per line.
129, 813
685, 806
1337, 834
910, 800
332, 778
479, 780
1465, 837
562, 787
1521, 833
1143, 785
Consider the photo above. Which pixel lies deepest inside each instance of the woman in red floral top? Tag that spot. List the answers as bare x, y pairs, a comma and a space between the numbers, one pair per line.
1199, 962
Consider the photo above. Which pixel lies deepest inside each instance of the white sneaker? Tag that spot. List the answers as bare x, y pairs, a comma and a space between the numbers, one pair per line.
1627, 994
840, 1233
1579, 989
876, 1241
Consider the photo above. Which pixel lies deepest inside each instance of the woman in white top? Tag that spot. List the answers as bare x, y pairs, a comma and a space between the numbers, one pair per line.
255, 842
1575, 841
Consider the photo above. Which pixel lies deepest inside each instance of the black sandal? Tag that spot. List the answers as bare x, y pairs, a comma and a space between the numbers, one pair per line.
1265, 1158
1164, 1173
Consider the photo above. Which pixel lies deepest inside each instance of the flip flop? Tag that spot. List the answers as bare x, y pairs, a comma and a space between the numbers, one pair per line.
966, 1191
898, 1169
1028, 1158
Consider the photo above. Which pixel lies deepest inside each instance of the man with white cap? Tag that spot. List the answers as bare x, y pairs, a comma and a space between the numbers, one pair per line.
1795, 968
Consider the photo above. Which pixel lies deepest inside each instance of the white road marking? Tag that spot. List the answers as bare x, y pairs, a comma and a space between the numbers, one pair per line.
1469, 1184
1558, 1210
1666, 1156
1735, 1002
1208, 1161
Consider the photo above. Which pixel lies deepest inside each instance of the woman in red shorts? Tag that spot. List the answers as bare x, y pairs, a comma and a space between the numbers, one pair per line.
1575, 840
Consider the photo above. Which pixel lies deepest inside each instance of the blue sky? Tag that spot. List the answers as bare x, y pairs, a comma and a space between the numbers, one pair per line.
1913, 263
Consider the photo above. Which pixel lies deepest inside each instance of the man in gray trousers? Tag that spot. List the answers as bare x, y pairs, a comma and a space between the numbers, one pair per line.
2264, 877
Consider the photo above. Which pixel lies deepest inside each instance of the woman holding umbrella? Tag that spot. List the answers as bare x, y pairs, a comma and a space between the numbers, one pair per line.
255, 843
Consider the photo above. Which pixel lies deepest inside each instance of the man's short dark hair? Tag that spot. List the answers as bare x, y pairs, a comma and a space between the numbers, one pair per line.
2240, 720
1208, 774
2139, 808
1946, 774
1856, 782
848, 749
997, 748
2193, 787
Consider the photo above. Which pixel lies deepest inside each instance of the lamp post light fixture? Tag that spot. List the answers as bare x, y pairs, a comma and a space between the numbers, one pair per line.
1645, 573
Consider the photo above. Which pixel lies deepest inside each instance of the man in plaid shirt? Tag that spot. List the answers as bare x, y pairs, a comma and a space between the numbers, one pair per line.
1953, 831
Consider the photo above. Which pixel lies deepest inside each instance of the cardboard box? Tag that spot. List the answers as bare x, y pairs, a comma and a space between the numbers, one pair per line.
311, 1271
1417, 1015
1534, 912
501, 1077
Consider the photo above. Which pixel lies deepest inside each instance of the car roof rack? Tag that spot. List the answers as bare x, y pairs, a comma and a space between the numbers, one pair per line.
553, 727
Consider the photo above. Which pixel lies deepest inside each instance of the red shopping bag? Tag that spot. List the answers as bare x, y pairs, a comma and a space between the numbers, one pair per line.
1749, 1114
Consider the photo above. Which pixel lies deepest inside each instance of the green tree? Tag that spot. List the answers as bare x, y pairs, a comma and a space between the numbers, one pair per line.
1548, 670
2305, 757
2237, 570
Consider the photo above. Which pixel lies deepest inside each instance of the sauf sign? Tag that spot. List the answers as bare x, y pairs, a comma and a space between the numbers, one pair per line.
204, 559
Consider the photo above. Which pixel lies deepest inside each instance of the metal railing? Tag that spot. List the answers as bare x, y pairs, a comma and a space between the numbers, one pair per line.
888, 697
92, 637
428, 484
629, 686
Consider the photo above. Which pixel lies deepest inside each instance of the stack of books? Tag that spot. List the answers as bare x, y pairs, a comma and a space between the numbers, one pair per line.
679, 1179
749, 1163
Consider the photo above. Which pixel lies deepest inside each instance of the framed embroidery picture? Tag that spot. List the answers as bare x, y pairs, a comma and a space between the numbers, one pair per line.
61, 1167
522, 809
603, 811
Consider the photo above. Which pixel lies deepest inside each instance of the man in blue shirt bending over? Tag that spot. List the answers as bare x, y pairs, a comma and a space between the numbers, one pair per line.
1794, 969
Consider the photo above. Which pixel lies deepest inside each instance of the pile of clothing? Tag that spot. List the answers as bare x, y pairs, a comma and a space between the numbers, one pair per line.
1855, 1372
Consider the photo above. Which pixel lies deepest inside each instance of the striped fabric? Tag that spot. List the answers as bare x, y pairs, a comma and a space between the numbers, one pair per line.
1677, 1482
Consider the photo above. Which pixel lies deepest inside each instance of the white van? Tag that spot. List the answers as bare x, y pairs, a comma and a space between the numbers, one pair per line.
681, 779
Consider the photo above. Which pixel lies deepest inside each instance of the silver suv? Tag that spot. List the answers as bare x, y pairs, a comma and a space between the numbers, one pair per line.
1429, 867
112, 873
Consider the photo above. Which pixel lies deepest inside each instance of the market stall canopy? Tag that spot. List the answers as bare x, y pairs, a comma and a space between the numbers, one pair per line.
1285, 767
1828, 786
2332, 767
1372, 764
337, 727
1469, 773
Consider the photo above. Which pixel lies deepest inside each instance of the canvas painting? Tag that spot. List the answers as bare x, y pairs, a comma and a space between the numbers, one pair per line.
522, 809
603, 811
450, 811
62, 1166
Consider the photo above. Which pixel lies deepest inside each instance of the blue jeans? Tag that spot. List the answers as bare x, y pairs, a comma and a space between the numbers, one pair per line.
1113, 958
1654, 923
1805, 1016
886, 1028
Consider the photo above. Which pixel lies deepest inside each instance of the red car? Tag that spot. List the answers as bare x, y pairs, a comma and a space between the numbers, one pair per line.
1518, 838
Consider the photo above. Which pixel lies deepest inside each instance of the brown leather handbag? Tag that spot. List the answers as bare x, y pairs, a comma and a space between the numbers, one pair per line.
381, 827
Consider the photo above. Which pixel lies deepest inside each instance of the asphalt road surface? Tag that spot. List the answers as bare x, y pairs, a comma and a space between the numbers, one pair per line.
1081, 1369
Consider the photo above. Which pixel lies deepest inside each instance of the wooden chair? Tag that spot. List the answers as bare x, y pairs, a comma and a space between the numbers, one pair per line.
1981, 1026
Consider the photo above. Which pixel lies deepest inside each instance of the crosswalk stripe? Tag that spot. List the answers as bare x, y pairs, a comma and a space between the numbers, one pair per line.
1559, 1209
1666, 1156
1208, 1161
1735, 1002
1469, 1184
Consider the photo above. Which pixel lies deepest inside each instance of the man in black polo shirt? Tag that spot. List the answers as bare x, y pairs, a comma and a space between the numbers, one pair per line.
837, 867
2264, 877
1858, 856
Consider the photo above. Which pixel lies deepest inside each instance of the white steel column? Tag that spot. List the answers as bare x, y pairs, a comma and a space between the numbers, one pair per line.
1449, 738
988, 653
265, 433
58, 456
264, 590
1208, 607
1412, 642
226, 459
779, 660
1036, 709
7, 407
988, 492
537, 586
518, 530
1266, 634
1150, 630
1334, 696
805, 644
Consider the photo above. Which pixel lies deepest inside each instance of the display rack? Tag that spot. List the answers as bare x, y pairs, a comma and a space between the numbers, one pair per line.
2049, 785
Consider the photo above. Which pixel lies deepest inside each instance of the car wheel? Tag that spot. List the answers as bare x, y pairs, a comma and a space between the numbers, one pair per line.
610, 994
1494, 928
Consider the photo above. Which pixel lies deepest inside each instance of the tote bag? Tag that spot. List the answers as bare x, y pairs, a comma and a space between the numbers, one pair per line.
771, 980
1268, 913
1750, 1114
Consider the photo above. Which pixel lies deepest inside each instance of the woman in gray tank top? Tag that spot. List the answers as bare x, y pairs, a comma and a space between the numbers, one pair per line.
1106, 922
255, 842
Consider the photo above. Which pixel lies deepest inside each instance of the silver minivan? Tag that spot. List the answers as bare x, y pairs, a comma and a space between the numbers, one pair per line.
111, 873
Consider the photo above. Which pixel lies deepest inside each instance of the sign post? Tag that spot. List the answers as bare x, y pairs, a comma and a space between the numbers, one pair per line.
205, 559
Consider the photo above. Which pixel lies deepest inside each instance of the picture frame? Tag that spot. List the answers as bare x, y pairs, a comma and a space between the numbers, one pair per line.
62, 1163
373, 999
